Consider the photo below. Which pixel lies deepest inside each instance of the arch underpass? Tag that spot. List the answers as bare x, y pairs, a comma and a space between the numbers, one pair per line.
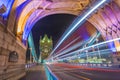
90, 42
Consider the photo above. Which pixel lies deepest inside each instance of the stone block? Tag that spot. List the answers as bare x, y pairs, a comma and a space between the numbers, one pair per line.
11, 23
8, 38
2, 60
4, 52
5, 44
1, 34
0, 50
11, 47
1, 42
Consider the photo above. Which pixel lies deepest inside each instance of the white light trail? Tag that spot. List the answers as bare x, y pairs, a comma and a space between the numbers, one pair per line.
67, 45
102, 43
71, 48
80, 20
79, 44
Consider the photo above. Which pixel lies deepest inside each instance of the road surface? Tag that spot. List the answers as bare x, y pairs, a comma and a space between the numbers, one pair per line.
68, 73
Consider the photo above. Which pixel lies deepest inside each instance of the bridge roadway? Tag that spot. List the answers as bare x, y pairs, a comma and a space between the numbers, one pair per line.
35, 73
64, 72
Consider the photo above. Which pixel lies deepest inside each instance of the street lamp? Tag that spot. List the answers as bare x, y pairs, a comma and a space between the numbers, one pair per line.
86, 54
98, 49
86, 51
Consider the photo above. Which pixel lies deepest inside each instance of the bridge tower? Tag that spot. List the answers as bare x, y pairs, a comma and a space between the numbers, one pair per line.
46, 45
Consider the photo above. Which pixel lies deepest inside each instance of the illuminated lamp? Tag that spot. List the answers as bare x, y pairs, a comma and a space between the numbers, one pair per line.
2, 9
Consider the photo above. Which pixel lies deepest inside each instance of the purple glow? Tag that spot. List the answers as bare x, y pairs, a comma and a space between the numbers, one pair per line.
116, 10
106, 19
100, 22
21, 7
112, 17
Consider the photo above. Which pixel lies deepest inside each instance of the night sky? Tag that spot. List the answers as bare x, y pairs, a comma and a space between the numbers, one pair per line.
53, 25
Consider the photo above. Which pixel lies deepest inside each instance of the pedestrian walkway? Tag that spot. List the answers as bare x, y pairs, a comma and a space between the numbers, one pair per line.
35, 73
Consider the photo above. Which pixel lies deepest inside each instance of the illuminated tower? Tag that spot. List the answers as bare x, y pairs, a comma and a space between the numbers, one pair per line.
46, 45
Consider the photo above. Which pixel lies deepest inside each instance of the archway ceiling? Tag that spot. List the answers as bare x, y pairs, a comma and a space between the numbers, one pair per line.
33, 10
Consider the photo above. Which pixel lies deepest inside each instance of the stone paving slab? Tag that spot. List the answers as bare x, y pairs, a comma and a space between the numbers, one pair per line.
35, 73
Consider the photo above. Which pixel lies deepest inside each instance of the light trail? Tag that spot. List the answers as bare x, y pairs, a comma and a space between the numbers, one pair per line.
102, 43
67, 45
71, 48
95, 35
80, 20
82, 43
106, 51
94, 38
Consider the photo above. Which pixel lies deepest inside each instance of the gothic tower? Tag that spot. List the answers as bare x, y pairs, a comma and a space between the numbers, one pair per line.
46, 45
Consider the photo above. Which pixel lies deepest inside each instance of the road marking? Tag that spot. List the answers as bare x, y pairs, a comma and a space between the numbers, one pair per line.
82, 77
86, 73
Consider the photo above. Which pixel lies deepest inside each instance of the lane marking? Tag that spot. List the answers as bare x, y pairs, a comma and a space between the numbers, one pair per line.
82, 77
86, 73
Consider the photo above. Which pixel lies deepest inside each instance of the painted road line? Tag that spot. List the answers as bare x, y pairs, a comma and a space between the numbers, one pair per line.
87, 73
78, 76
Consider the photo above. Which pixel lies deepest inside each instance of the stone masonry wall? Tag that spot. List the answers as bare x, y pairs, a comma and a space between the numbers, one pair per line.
9, 43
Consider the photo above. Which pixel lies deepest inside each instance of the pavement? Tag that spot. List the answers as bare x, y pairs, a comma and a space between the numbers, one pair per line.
35, 73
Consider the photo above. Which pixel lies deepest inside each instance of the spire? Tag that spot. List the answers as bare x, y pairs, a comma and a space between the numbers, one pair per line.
45, 37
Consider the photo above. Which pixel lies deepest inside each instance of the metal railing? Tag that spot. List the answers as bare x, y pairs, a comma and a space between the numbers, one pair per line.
98, 65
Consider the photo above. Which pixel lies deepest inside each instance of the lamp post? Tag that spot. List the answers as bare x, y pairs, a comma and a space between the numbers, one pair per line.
86, 51
86, 54
98, 49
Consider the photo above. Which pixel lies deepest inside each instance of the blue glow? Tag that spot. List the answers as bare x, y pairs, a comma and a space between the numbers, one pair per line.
19, 10
111, 45
29, 25
21, 7
79, 21
50, 75
84, 33
8, 4
32, 47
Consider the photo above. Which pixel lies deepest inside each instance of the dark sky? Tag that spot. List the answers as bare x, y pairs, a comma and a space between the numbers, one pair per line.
53, 25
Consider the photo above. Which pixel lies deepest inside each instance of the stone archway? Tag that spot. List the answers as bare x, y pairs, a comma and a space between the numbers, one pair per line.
43, 9
46, 8
32, 12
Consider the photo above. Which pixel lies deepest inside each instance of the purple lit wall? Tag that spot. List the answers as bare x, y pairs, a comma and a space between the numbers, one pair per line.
107, 21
